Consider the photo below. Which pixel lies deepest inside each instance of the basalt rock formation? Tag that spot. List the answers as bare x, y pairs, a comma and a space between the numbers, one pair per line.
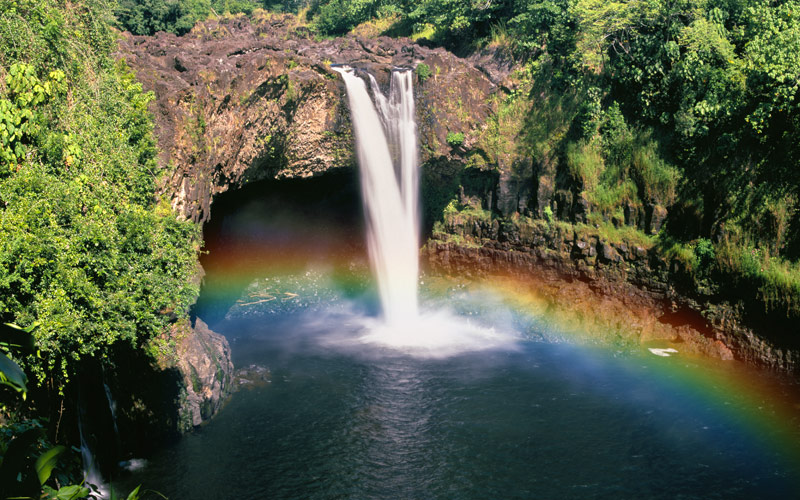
623, 286
240, 100
204, 359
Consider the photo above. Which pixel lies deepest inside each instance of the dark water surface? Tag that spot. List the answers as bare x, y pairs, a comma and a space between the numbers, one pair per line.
546, 420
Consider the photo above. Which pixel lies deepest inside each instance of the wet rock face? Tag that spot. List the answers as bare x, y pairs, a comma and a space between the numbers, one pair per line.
240, 100
145, 402
583, 270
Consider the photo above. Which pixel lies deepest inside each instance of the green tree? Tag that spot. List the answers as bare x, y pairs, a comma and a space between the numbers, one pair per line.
85, 250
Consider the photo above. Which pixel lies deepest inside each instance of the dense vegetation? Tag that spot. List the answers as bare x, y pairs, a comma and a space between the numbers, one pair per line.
147, 17
86, 250
689, 106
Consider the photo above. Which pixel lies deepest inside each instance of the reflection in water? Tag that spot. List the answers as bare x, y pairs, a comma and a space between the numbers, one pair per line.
538, 420
393, 427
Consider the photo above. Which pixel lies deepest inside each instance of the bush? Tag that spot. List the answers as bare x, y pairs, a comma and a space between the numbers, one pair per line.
548, 214
704, 251
585, 163
455, 139
423, 72
337, 17
84, 250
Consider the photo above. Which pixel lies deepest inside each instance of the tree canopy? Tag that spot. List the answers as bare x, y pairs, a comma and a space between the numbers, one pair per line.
86, 249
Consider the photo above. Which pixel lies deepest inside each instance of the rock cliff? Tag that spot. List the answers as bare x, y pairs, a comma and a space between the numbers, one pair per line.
240, 100
204, 359
624, 285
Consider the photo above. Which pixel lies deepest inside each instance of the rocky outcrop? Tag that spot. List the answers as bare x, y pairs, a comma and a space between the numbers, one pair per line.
204, 360
143, 397
620, 284
239, 100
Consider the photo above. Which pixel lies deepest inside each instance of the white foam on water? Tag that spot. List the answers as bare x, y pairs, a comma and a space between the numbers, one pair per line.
430, 334
665, 353
388, 158
133, 464
437, 334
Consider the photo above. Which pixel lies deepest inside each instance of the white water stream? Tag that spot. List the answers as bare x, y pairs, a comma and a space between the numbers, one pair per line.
386, 146
388, 158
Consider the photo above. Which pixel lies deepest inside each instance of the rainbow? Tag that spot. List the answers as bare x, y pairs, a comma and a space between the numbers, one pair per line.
765, 406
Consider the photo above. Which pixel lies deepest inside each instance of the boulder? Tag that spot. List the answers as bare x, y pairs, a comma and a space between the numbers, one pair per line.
204, 360
607, 253
655, 215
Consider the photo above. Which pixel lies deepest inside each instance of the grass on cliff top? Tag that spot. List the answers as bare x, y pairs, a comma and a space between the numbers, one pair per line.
606, 231
774, 282
376, 26
746, 271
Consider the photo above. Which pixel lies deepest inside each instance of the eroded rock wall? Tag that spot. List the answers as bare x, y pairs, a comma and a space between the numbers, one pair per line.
624, 284
204, 359
240, 100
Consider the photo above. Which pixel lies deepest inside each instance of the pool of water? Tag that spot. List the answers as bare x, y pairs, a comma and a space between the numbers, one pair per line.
530, 417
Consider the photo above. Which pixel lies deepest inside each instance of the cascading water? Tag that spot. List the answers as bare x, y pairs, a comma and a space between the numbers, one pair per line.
388, 158
355, 410
386, 146
91, 472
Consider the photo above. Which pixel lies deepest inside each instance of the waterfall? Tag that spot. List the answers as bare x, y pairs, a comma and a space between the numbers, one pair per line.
388, 159
386, 146
91, 472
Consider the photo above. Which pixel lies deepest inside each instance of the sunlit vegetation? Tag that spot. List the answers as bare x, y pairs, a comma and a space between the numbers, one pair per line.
86, 250
692, 107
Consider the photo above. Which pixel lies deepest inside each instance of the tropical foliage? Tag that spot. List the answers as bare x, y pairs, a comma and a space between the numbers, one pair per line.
693, 106
689, 105
86, 251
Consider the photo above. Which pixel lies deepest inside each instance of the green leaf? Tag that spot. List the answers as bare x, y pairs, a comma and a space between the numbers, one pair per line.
12, 375
47, 462
17, 477
15, 337
72, 492
134, 495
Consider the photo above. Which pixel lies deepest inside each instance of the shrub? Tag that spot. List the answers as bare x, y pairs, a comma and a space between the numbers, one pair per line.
585, 163
84, 250
452, 207
423, 71
548, 214
657, 179
455, 139
704, 251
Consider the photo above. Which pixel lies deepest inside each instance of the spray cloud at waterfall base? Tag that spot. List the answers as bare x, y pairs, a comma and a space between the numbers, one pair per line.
388, 158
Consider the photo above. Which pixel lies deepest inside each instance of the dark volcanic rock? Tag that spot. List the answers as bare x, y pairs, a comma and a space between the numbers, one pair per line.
240, 100
608, 254
655, 215
204, 359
